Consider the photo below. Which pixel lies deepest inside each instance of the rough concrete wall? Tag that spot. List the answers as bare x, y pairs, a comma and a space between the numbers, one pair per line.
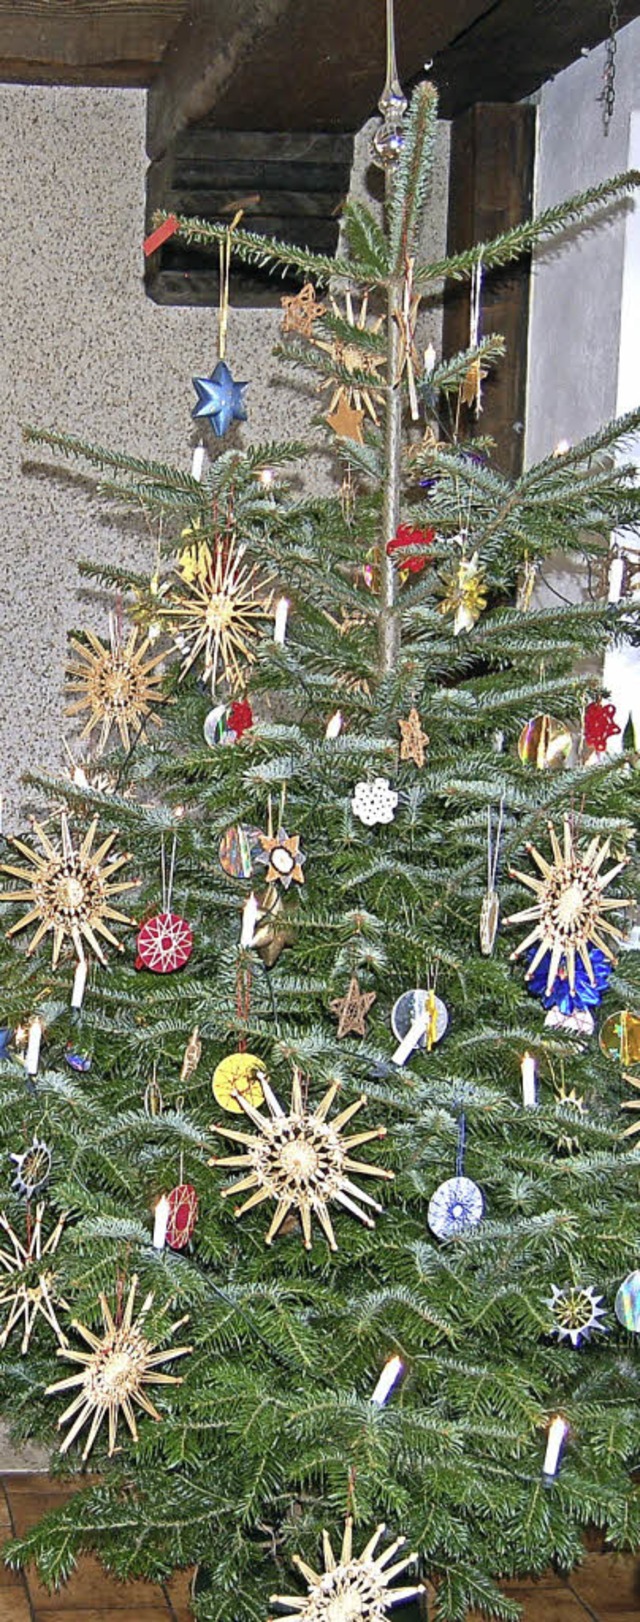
82, 348
577, 282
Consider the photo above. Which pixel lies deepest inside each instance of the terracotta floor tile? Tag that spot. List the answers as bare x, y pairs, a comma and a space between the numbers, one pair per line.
608, 1583
101, 1615
14, 1608
28, 1508
89, 1587
178, 1590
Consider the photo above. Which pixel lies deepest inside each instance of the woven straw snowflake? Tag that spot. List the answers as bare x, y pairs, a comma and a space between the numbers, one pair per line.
352, 1586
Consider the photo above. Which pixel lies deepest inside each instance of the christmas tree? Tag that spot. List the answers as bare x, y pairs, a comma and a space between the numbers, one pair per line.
316, 834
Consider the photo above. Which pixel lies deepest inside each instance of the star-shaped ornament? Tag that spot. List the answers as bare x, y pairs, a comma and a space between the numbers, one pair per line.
352, 1009
346, 421
220, 399
414, 741
301, 310
282, 857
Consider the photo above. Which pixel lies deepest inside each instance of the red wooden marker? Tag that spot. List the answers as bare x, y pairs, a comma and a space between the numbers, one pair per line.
160, 235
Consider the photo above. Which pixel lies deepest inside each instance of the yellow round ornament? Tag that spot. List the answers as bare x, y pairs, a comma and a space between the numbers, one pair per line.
620, 1037
239, 1073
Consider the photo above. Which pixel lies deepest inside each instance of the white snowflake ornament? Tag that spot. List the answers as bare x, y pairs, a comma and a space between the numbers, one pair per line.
374, 802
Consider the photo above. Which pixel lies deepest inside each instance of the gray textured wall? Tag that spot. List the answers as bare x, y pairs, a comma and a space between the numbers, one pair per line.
82, 348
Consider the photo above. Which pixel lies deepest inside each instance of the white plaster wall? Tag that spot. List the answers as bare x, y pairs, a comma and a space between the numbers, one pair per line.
83, 349
577, 282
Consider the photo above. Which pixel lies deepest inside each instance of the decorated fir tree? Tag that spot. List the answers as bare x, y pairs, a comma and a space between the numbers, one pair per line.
404, 1225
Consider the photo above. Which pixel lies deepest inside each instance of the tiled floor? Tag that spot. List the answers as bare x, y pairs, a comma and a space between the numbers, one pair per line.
606, 1588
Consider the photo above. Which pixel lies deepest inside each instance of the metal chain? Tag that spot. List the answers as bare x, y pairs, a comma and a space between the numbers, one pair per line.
607, 96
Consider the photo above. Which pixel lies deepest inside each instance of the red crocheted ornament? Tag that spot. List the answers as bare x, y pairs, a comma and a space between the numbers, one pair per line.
406, 536
164, 943
599, 725
240, 717
183, 1215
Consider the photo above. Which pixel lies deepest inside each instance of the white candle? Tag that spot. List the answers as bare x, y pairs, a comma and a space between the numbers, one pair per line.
32, 1054
389, 1377
79, 983
334, 725
250, 913
561, 448
555, 1438
616, 578
280, 622
197, 462
429, 359
160, 1223
412, 1038
529, 1087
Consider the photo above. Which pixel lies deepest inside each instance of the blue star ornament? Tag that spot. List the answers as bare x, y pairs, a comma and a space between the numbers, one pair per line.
220, 399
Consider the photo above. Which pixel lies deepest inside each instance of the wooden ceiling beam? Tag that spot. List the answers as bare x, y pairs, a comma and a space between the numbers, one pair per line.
273, 65
117, 42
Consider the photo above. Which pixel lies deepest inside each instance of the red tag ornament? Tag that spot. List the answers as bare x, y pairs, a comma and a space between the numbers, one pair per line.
406, 536
600, 725
240, 717
183, 1215
164, 943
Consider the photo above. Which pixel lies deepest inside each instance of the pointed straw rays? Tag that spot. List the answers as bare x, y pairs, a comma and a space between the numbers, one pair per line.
220, 614
116, 684
302, 1161
114, 1373
570, 910
69, 890
353, 1585
29, 1289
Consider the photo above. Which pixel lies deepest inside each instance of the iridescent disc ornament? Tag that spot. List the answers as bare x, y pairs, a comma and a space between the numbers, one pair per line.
374, 802
77, 1059
165, 943
183, 1215
241, 1073
239, 850
545, 743
620, 1037
627, 1303
456, 1205
215, 726
421, 1015
32, 1169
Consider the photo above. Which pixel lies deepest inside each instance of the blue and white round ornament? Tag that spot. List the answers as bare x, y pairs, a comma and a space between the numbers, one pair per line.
627, 1303
456, 1205
419, 1019
77, 1059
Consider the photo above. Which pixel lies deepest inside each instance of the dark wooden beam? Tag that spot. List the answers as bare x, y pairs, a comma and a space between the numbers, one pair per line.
80, 42
512, 46
273, 65
490, 188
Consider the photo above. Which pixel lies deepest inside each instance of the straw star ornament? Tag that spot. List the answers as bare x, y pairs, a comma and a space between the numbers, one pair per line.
350, 1586
114, 1373
570, 911
70, 890
301, 1161
29, 1290
116, 684
220, 615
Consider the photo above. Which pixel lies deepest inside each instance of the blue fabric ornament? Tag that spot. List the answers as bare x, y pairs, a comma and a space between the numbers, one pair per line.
220, 399
6, 1034
584, 996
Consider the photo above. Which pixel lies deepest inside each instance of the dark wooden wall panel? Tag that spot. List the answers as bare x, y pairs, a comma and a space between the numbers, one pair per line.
491, 188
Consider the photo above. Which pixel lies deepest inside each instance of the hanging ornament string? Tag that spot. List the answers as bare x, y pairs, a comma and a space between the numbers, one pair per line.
243, 1000
474, 335
225, 268
167, 889
607, 97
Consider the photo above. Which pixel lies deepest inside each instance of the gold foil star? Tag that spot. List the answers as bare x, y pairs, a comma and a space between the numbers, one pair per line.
631, 1103
576, 1105
346, 422
194, 559
414, 740
465, 594
351, 357
301, 310
301, 1161
352, 1586
471, 387
221, 614
352, 1009
570, 910
31, 1286
70, 890
115, 684
114, 1373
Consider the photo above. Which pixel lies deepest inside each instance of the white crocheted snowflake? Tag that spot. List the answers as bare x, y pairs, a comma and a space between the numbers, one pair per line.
374, 802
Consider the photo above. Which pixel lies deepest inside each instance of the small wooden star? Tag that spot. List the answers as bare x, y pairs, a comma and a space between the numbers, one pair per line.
352, 1009
282, 857
347, 421
301, 310
471, 387
414, 740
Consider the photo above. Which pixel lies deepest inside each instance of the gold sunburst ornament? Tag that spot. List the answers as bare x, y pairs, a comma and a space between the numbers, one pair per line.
465, 594
116, 684
350, 1586
70, 890
114, 1373
570, 912
220, 614
302, 1161
29, 1290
